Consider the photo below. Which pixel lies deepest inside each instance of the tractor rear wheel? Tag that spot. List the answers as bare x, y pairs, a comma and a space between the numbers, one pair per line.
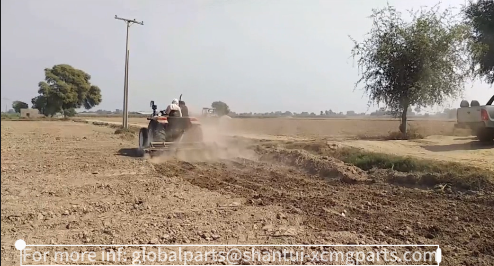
156, 131
143, 141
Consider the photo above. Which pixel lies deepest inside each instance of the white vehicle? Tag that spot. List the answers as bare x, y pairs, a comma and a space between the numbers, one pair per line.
209, 112
478, 118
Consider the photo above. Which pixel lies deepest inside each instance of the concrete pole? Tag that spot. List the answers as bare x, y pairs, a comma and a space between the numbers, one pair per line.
129, 22
125, 123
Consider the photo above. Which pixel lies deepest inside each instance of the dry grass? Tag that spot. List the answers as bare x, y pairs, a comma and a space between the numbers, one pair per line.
125, 133
461, 132
119, 129
403, 170
17, 117
128, 133
413, 132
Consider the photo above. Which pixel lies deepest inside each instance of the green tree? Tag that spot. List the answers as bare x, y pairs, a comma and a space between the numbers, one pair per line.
18, 105
65, 88
480, 16
221, 108
69, 112
41, 103
419, 62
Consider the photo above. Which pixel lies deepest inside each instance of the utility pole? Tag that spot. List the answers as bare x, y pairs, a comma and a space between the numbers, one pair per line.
129, 22
6, 108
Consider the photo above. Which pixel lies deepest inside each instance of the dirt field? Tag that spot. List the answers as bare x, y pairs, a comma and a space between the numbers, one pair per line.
438, 145
319, 127
75, 183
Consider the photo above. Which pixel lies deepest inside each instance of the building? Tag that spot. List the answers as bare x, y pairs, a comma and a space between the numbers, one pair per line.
30, 113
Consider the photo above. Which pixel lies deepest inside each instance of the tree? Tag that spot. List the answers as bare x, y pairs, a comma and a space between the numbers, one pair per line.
418, 63
221, 108
480, 16
18, 105
65, 88
69, 112
41, 103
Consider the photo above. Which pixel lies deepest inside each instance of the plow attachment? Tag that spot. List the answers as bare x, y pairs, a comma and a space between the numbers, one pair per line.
193, 150
188, 146
175, 146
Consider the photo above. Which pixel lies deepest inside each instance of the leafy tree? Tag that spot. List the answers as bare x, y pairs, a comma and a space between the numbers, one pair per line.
418, 63
41, 103
221, 108
480, 16
69, 112
18, 105
65, 88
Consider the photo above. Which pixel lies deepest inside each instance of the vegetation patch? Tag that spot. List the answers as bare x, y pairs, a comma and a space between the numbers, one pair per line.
122, 130
17, 117
412, 133
131, 130
9, 116
125, 133
404, 170
326, 167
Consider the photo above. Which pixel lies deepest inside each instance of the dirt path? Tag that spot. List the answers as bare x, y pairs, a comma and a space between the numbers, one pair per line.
65, 183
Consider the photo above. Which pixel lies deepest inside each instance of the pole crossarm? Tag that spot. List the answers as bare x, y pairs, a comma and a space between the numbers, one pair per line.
130, 20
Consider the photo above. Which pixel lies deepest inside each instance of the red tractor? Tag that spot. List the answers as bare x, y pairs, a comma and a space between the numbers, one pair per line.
170, 132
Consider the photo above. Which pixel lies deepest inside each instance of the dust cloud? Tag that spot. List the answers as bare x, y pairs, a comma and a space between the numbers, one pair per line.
220, 142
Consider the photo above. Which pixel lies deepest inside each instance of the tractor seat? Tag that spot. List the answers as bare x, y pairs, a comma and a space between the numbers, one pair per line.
176, 123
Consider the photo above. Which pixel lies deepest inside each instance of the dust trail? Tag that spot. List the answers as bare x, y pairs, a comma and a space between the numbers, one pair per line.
219, 144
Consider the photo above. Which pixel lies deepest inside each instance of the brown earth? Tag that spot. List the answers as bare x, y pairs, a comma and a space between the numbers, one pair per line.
319, 127
439, 142
75, 183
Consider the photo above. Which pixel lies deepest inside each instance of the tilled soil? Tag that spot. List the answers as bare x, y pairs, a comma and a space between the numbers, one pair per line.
362, 134
304, 127
67, 183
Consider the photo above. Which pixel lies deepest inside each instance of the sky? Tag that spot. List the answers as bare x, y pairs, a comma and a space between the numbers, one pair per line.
255, 55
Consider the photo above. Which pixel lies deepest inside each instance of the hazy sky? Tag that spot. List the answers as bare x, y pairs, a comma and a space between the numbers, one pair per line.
256, 55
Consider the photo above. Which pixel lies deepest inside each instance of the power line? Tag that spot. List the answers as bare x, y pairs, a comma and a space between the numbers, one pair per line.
129, 22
